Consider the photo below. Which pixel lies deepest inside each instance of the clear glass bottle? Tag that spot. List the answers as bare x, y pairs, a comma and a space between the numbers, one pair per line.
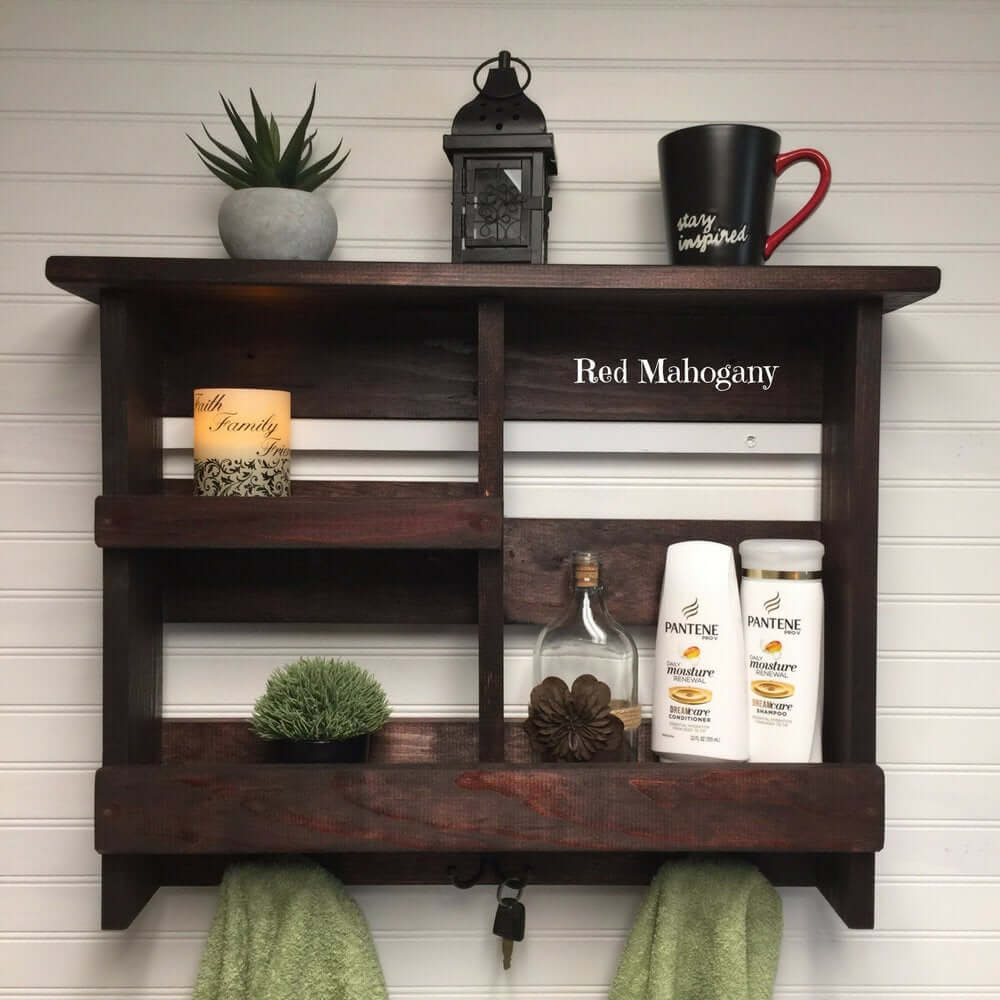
577, 720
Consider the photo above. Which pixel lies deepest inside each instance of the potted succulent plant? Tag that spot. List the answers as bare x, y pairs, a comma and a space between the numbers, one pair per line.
320, 710
274, 211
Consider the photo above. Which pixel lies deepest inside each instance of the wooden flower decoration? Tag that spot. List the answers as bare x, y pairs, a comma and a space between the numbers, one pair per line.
573, 724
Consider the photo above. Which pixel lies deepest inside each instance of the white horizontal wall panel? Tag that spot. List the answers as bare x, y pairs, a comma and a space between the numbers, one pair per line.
50, 564
967, 625
586, 911
551, 960
51, 327
46, 795
937, 510
916, 795
47, 850
933, 851
949, 455
27, 505
736, 91
39, 737
969, 395
443, 32
911, 336
65, 447
582, 214
894, 158
64, 679
431, 682
63, 387
552, 437
915, 682
51, 622
963, 739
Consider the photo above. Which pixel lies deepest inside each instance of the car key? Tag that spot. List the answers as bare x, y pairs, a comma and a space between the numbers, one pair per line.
508, 924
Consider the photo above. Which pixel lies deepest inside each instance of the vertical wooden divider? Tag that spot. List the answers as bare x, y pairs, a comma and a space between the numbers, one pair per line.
850, 533
133, 615
490, 331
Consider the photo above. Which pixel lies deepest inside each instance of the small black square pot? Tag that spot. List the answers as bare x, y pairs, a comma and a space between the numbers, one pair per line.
352, 751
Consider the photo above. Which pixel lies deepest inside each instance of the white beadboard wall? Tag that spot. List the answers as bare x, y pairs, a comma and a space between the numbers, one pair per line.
904, 97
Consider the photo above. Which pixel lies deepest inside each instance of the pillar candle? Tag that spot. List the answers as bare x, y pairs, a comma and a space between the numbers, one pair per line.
242, 442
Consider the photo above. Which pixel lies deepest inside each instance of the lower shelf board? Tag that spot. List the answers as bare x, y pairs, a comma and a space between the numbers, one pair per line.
218, 808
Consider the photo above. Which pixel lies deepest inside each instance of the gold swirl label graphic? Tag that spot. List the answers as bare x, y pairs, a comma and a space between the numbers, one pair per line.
773, 689
685, 695
773, 647
691, 653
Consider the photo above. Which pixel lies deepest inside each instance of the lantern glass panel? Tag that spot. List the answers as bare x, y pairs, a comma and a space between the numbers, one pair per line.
495, 199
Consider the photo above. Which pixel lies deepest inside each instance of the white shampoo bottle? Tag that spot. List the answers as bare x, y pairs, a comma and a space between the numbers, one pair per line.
782, 595
699, 688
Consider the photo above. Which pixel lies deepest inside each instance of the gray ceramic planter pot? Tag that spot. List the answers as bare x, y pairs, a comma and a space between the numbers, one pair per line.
277, 224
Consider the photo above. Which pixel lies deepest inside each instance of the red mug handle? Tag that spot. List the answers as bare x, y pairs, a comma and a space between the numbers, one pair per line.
781, 163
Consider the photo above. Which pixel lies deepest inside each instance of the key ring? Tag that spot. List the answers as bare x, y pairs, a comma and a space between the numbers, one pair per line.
516, 884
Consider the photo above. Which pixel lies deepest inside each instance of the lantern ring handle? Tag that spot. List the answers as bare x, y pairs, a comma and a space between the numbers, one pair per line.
513, 93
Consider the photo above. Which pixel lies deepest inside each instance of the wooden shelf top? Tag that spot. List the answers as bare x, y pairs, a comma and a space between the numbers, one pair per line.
404, 282
311, 808
177, 522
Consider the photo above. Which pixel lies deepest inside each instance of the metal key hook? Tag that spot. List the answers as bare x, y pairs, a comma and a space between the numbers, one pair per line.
474, 879
516, 884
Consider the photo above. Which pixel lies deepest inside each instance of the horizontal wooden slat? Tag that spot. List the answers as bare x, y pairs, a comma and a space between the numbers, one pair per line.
172, 522
336, 585
370, 362
677, 286
325, 587
205, 809
536, 554
967, 272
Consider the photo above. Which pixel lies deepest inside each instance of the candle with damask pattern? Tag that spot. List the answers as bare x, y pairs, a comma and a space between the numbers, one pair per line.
242, 442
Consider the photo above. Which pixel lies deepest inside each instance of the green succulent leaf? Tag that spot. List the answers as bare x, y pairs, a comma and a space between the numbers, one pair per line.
288, 167
265, 165
275, 139
307, 152
309, 180
231, 169
236, 157
263, 132
225, 177
249, 143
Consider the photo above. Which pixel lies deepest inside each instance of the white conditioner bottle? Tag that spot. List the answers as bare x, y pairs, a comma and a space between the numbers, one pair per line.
699, 688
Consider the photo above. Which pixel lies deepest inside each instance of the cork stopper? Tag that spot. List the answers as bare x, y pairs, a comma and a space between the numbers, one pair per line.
586, 570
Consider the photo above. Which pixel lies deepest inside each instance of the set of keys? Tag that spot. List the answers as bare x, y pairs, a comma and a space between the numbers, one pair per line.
508, 924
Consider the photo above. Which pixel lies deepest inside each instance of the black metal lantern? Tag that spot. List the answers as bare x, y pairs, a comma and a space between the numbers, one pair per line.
502, 159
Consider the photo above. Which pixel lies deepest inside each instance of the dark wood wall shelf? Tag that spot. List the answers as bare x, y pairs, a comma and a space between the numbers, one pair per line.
176, 799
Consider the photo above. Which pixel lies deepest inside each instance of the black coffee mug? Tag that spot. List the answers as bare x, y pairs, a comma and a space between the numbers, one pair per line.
718, 187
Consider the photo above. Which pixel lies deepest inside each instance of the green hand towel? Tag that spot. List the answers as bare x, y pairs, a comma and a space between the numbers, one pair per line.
708, 929
288, 931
